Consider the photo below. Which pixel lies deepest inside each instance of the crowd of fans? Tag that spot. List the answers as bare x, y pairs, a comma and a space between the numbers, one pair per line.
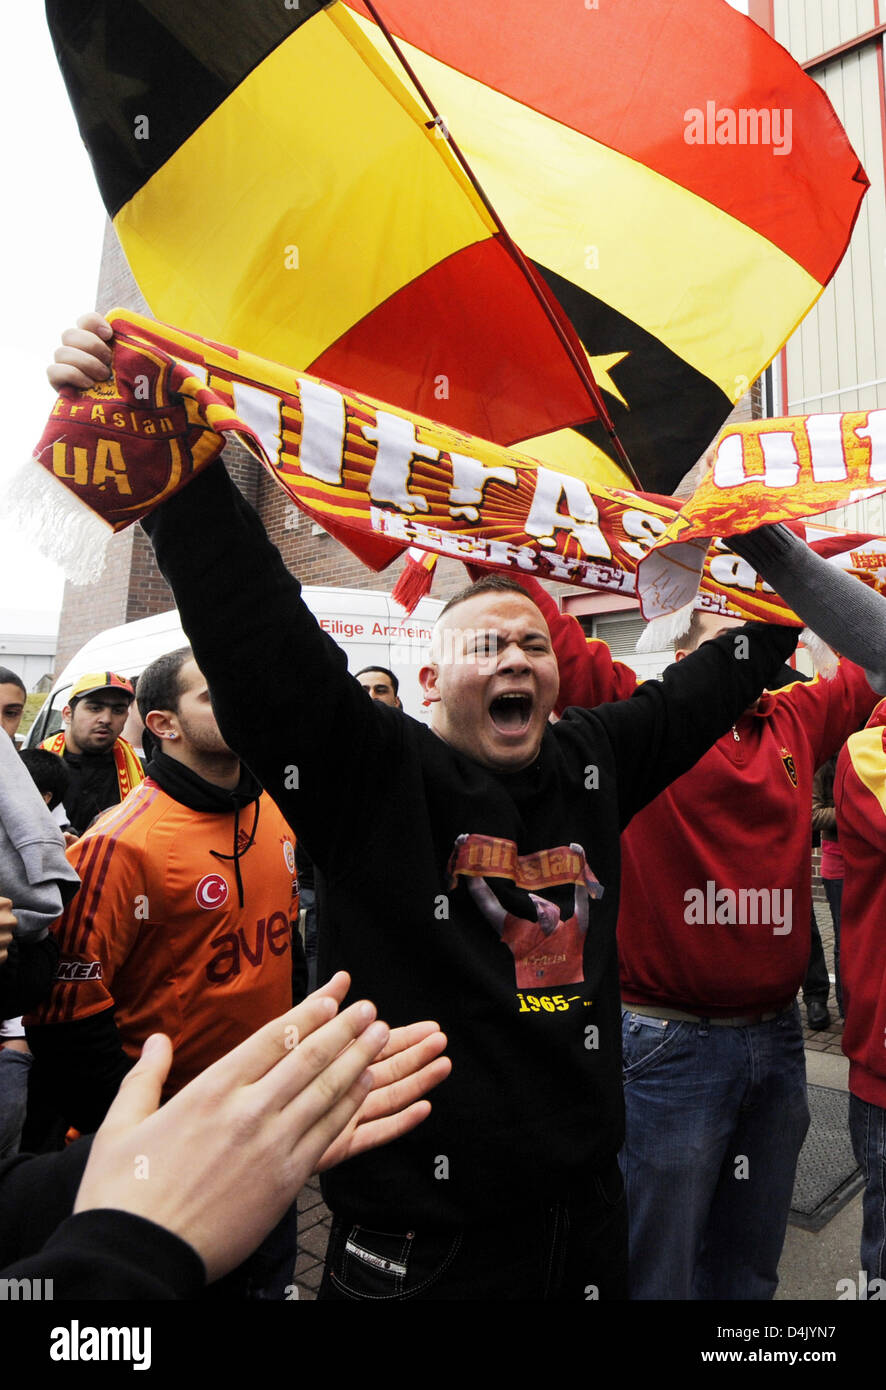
599, 889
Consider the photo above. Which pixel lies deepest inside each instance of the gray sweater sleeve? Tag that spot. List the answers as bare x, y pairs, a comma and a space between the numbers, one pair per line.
34, 871
845, 613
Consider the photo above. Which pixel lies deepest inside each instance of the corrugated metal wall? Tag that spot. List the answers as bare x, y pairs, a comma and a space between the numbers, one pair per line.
807, 28
836, 360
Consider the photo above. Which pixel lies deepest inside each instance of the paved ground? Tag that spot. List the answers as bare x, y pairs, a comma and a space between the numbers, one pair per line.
313, 1232
812, 1263
829, 1039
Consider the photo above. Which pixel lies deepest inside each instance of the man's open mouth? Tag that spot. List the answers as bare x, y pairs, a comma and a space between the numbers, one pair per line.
511, 713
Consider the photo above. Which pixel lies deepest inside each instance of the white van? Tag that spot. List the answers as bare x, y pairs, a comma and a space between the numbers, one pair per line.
366, 624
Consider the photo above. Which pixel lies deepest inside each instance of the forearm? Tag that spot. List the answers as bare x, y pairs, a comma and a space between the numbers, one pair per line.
251, 631
824, 820
668, 725
846, 614
37, 1193
103, 1254
238, 605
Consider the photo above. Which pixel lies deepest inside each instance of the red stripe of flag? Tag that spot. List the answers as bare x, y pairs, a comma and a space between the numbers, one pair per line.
627, 73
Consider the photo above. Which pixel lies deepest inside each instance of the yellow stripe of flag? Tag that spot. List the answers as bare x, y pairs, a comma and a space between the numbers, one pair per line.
305, 277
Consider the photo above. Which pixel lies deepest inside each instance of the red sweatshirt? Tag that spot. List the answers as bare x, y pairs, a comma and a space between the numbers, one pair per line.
860, 798
715, 887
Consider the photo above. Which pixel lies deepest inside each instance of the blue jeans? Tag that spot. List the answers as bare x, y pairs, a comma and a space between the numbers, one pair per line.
715, 1120
14, 1069
867, 1126
559, 1252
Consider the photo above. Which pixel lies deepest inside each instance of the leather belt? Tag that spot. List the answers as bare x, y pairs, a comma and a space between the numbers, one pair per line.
678, 1016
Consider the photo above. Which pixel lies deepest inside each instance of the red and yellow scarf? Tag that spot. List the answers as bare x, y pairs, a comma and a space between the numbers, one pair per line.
129, 770
382, 480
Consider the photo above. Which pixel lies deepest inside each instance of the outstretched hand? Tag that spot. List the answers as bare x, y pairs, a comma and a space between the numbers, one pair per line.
220, 1163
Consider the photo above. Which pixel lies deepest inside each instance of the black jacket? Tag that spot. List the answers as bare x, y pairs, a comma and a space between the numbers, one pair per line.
534, 1104
94, 1255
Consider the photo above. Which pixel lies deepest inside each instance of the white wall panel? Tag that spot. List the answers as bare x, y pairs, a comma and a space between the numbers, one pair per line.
841, 345
807, 28
837, 358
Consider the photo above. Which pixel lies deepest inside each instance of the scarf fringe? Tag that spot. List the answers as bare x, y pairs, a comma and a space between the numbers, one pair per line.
663, 633
53, 519
824, 658
660, 634
415, 579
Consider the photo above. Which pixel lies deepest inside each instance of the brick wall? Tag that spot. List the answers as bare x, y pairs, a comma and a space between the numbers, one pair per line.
88, 609
116, 286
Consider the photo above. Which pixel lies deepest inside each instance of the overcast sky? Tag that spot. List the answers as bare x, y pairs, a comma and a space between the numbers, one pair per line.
51, 247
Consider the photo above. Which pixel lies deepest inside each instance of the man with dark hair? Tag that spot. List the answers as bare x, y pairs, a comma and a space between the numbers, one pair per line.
103, 767
380, 684
49, 774
185, 921
12, 700
160, 685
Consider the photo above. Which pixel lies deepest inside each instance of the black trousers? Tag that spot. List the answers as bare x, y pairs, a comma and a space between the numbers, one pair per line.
569, 1251
816, 985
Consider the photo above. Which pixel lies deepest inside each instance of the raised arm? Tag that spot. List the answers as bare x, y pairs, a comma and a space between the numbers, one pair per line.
36, 874
846, 614
280, 686
666, 725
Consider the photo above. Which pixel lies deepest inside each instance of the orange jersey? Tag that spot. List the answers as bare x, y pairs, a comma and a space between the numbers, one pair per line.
157, 931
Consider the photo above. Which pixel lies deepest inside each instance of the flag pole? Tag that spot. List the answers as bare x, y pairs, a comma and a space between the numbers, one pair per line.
582, 367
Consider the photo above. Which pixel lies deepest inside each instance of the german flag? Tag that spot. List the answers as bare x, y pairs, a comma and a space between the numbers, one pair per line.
682, 190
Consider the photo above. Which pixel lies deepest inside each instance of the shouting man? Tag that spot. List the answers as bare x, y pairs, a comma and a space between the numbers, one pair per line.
512, 1189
